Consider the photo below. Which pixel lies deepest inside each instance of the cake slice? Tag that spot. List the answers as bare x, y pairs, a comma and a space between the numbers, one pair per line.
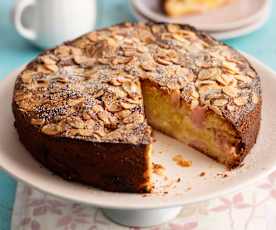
176, 8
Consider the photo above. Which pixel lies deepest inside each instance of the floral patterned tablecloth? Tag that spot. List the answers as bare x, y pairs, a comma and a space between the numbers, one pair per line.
251, 209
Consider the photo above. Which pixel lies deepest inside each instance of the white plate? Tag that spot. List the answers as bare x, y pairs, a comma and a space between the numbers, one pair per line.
192, 188
243, 30
223, 35
236, 14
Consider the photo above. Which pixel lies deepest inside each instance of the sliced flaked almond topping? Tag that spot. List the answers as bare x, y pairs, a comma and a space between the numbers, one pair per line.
220, 102
255, 98
47, 60
194, 104
85, 132
195, 94
52, 129
215, 109
37, 121
83, 60
243, 78
92, 36
162, 61
86, 116
230, 67
131, 88
52, 67
27, 77
115, 82
230, 108
104, 116
210, 74
118, 91
124, 113
230, 91
76, 122
121, 60
63, 51
148, 66
126, 105
224, 79
173, 28
113, 106
240, 101
73, 102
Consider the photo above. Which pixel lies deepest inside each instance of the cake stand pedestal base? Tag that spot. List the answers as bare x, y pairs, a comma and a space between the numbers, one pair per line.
141, 218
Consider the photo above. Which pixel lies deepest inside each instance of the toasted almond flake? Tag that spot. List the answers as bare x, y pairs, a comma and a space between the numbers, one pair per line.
97, 108
86, 116
121, 60
230, 67
113, 106
194, 104
123, 114
230, 91
51, 67
255, 98
104, 116
37, 121
85, 132
52, 129
243, 78
179, 37
216, 109
100, 132
224, 79
173, 28
73, 102
162, 61
148, 66
195, 94
83, 60
118, 91
76, 122
47, 60
63, 51
89, 124
126, 105
27, 77
220, 102
231, 107
92, 37
240, 101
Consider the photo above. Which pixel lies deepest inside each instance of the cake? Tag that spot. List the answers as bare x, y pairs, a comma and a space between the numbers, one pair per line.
86, 108
176, 8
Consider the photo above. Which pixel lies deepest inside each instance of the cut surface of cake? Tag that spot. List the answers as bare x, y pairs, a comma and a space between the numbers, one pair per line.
85, 108
176, 8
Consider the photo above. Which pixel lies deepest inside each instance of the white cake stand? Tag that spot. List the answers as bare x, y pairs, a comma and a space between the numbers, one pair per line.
180, 186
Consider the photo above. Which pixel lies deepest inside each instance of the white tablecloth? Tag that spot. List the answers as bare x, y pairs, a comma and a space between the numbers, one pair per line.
251, 209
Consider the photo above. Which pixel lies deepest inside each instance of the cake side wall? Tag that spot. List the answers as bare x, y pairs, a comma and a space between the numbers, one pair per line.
109, 166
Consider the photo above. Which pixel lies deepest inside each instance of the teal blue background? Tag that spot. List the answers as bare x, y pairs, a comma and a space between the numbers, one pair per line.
15, 51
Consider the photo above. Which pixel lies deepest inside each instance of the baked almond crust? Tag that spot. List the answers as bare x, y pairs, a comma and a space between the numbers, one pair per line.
82, 101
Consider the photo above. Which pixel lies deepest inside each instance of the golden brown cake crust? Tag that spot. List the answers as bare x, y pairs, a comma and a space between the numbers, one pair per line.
89, 89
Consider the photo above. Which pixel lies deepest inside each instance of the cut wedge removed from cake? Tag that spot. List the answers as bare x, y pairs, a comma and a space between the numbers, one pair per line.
86, 108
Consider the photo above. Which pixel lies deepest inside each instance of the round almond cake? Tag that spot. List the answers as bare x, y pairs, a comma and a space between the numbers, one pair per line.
86, 108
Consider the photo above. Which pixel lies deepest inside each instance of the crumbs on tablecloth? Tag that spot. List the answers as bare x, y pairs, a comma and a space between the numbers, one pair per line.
158, 169
181, 161
222, 174
202, 174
